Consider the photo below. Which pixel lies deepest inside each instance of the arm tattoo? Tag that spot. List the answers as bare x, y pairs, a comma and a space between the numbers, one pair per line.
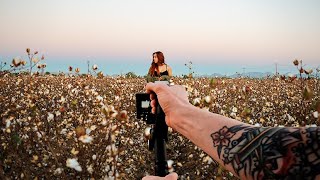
270, 153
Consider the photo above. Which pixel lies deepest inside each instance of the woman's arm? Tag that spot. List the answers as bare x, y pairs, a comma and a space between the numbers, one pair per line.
169, 71
247, 151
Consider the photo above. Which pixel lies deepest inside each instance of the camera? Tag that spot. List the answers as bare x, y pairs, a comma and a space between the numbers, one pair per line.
144, 108
158, 132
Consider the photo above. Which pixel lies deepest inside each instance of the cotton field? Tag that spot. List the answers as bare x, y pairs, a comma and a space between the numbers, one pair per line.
61, 127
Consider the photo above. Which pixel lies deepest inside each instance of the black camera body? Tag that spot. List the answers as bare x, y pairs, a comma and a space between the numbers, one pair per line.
144, 108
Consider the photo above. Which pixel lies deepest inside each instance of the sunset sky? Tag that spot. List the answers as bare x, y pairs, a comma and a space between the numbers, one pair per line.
121, 35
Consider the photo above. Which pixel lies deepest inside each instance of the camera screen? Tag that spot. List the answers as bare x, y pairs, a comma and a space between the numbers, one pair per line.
145, 104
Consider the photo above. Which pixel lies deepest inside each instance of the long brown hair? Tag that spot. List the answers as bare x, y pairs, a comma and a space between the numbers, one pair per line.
154, 66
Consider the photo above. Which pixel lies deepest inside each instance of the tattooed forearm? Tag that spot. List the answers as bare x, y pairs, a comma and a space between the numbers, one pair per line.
270, 153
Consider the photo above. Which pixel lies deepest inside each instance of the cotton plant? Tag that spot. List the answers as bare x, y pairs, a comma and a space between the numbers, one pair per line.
34, 59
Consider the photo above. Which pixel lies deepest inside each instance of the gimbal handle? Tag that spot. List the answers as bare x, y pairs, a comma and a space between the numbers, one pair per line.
158, 142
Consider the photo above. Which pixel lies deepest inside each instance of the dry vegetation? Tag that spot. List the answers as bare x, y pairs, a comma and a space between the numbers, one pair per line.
57, 127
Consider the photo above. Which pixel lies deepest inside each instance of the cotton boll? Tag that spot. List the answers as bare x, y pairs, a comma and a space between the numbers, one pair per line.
233, 115
85, 139
99, 98
58, 171
58, 113
170, 163
170, 167
196, 101
8, 122
257, 125
234, 109
131, 142
63, 131
90, 169
62, 99
74, 152
207, 99
207, 159
50, 117
93, 127
147, 132
104, 122
94, 67
73, 163
170, 130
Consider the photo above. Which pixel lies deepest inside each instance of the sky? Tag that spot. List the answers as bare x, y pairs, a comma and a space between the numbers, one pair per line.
120, 35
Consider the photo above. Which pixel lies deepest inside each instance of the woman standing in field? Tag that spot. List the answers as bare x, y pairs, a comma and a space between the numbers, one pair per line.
158, 66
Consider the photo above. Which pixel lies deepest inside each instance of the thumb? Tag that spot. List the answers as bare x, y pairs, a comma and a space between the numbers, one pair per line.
171, 176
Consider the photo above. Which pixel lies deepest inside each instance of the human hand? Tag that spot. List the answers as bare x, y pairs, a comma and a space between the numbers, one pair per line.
171, 99
171, 176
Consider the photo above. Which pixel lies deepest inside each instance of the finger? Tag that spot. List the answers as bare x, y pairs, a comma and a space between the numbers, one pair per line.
153, 110
152, 96
153, 103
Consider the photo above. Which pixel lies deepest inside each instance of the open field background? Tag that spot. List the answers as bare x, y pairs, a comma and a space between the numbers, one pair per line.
51, 123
